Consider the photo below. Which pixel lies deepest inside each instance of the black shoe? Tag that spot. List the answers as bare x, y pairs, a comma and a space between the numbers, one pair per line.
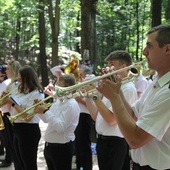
5, 164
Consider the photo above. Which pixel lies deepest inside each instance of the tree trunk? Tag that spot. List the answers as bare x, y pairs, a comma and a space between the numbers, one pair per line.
167, 11
54, 22
42, 45
88, 28
156, 12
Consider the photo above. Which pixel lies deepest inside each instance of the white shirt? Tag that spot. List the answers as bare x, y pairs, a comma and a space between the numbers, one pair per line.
62, 118
4, 85
153, 113
141, 83
83, 109
102, 127
26, 101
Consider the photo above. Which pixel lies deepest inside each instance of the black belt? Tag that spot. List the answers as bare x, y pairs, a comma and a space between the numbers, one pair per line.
146, 167
57, 144
108, 137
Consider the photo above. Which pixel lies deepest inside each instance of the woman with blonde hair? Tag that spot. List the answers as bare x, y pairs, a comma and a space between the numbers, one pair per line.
7, 134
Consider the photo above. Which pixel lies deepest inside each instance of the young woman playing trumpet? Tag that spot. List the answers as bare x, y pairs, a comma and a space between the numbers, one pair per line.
7, 134
26, 132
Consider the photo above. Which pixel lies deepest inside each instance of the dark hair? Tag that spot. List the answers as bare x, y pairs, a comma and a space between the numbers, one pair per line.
3, 71
30, 78
68, 80
122, 56
163, 34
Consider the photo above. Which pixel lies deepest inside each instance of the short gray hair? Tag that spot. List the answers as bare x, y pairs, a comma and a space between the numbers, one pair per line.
86, 69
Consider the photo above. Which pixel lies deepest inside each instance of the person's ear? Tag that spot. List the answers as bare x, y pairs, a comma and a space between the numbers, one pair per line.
167, 48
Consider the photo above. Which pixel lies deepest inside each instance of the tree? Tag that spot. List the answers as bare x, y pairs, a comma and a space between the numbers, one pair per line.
54, 18
156, 12
42, 44
88, 28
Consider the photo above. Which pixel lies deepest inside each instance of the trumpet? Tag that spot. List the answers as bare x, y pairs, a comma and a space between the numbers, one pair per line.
33, 113
63, 91
8, 94
13, 118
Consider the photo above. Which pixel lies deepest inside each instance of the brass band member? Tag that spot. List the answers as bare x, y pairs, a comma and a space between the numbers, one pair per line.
146, 125
62, 119
11, 83
26, 132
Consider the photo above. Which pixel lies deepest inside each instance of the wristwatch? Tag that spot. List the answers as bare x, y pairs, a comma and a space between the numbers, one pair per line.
95, 97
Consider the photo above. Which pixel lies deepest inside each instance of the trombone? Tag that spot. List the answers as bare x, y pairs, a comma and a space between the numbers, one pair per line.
63, 91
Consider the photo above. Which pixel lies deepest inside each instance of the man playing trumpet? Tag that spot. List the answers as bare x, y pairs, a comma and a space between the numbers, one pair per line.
112, 149
62, 118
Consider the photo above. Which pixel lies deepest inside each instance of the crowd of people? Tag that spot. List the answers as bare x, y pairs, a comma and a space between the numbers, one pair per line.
132, 118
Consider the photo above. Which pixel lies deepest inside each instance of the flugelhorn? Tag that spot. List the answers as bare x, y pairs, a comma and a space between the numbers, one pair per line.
63, 91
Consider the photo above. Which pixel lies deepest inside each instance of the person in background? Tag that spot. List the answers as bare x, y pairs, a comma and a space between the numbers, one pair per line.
83, 150
50, 88
146, 124
26, 131
141, 84
112, 149
8, 86
62, 118
3, 84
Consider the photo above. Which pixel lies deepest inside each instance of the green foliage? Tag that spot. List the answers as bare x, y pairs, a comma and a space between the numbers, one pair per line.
117, 23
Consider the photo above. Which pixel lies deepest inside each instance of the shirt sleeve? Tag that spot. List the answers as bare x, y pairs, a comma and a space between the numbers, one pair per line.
156, 117
65, 118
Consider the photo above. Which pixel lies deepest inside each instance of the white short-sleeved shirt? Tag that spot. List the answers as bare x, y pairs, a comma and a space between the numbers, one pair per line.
141, 83
102, 127
153, 113
26, 101
62, 118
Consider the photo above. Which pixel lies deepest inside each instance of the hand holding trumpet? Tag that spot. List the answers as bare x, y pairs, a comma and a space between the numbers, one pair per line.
111, 85
41, 107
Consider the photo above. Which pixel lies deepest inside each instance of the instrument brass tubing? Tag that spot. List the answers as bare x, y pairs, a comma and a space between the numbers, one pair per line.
2, 126
8, 94
13, 118
33, 114
61, 91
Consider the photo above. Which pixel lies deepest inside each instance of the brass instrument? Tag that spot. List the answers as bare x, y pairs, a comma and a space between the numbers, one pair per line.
2, 127
148, 73
33, 114
72, 68
8, 94
64, 91
13, 118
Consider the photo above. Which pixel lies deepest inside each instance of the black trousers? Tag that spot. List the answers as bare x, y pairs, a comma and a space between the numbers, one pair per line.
26, 140
58, 156
7, 138
83, 150
138, 167
111, 152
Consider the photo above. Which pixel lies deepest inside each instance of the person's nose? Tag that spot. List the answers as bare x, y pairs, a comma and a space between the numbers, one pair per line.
145, 52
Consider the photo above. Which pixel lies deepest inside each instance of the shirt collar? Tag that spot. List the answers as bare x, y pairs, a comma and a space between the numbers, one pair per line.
165, 79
